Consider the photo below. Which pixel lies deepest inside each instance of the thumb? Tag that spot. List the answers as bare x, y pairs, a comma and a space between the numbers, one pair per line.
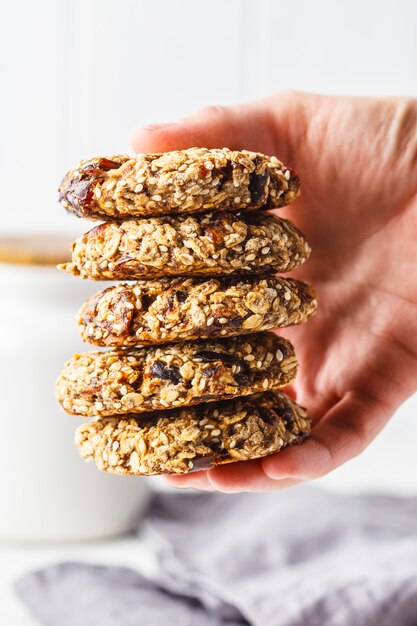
262, 126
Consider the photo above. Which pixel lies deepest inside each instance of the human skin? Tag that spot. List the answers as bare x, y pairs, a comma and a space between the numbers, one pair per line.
357, 161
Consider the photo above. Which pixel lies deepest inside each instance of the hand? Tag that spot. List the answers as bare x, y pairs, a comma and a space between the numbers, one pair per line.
357, 160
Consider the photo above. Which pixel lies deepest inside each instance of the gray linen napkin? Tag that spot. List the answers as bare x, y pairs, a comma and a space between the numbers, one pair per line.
301, 557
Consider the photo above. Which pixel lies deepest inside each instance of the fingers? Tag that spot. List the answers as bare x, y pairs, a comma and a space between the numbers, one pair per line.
271, 125
195, 480
212, 127
341, 435
233, 478
245, 476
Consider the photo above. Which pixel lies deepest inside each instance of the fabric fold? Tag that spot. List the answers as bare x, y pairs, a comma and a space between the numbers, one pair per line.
301, 557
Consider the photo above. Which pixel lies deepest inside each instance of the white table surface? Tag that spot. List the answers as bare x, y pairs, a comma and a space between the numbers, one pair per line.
388, 465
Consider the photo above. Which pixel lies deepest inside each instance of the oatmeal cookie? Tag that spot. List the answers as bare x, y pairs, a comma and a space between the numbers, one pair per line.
180, 309
183, 181
202, 244
149, 379
194, 438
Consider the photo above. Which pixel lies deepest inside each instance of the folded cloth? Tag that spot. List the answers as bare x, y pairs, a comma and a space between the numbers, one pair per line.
79, 594
302, 557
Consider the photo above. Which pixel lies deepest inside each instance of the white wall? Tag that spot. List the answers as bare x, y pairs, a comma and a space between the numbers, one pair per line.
78, 75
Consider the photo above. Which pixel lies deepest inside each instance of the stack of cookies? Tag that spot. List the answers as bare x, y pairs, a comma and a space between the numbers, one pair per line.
192, 375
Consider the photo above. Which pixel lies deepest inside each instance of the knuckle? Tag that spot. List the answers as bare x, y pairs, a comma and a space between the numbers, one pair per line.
213, 110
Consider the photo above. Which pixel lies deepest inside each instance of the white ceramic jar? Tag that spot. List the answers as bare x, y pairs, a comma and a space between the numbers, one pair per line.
47, 492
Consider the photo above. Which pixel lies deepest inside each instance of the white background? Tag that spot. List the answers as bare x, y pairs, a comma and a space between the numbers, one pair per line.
78, 75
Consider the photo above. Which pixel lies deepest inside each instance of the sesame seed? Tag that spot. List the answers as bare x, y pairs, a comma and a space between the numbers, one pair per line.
266, 250
171, 395
216, 432
215, 413
142, 447
185, 259
97, 192
223, 320
138, 188
163, 248
287, 295
156, 197
251, 257
209, 426
210, 321
265, 384
236, 200
279, 355
233, 444
129, 305
202, 422
287, 174
134, 461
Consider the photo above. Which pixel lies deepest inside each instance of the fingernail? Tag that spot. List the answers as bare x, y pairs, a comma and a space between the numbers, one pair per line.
157, 127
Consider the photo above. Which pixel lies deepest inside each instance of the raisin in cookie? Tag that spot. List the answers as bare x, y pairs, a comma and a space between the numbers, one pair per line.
182, 181
194, 438
149, 379
180, 309
209, 244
